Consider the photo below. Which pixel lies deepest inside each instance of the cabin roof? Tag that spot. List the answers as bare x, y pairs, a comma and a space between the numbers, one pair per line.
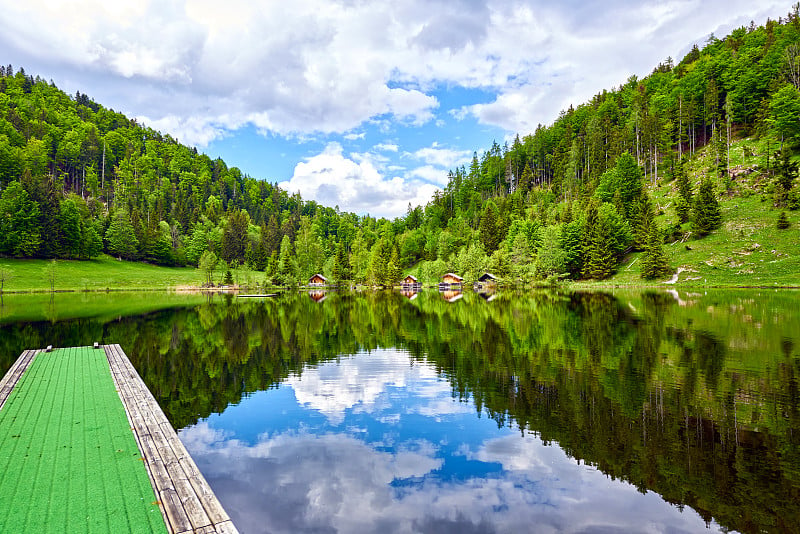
414, 278
485, 277
319, 276
453, 275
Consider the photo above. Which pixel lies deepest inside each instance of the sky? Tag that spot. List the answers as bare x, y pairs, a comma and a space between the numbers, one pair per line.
360, 104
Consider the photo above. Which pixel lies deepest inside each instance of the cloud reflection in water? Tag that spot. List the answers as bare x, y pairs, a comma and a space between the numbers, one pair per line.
342, 475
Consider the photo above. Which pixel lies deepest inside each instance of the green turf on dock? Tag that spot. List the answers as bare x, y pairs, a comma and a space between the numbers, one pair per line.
68, 459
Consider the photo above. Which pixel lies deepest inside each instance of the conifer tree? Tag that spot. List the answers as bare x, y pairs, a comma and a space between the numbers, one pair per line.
783, 221
286, 272
683, 204
642, 221
654, 262
706, 213
599, 260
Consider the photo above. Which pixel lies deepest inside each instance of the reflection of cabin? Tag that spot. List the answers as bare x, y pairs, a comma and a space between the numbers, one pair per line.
451, 296
486, 280
450, 281
317, 296
410, 294
318, 280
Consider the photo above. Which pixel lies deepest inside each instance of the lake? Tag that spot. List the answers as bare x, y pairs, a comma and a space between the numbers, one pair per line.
637, 411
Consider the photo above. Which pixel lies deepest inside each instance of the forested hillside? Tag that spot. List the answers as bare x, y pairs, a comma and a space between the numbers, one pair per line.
646, 162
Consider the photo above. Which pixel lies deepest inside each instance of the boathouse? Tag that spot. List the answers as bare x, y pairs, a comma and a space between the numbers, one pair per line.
318, 280
451, 279
410, 280
486, 280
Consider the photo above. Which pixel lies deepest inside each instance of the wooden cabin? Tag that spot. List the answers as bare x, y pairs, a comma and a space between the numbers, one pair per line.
410, 280
318, 280
451, 279
486, 280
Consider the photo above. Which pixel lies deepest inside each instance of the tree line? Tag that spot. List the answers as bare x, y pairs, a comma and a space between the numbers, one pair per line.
568, 200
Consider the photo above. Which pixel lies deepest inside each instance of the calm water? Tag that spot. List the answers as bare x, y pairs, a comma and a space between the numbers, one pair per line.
545, 412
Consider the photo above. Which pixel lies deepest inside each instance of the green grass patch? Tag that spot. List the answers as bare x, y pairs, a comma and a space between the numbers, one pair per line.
107, 273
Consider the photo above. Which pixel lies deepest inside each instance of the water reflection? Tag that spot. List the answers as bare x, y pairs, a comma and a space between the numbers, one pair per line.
693, 396
394, 452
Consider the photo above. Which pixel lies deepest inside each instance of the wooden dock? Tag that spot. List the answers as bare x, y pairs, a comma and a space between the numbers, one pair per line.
184, 498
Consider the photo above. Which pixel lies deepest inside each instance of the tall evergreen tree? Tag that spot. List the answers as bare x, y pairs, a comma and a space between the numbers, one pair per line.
654, 262
706, 213
683, 204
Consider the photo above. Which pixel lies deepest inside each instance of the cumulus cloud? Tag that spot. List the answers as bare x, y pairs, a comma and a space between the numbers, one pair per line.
442, 156
313, 66
331, 179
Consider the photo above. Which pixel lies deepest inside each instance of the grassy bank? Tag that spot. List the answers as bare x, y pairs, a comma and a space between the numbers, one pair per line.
106, 273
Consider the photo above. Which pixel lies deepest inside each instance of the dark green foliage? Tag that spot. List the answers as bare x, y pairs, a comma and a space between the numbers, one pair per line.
120, 238
71, 231
623, 182
642, 215
606, 235
786, 171
783, 221
64, 149
19, 222
490, 228
234, 237
784, 111
654, 261
706, 213
683, 204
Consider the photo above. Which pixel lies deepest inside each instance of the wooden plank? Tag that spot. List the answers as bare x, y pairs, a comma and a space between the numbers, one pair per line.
14, 374
176, 515
191, 504
187, 501
226, 527
212, 506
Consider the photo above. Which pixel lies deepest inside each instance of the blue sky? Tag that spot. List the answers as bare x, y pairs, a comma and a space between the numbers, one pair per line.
361, 104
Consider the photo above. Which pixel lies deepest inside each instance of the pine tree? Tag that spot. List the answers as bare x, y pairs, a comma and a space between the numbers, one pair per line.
706, 215
783, 221
599, 258
683, 204
654, 262
286, 272
642, 221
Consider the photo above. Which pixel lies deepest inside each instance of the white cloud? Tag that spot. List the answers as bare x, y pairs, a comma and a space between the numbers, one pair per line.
447, 158
386, 147
331, 66
429, 173
332, 179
